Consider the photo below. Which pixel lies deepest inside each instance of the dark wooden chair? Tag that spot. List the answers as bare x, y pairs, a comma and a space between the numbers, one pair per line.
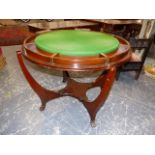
137, 60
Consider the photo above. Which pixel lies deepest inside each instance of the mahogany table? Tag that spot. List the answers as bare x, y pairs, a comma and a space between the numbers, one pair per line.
57, 25
125, 27
78, 51
116, 21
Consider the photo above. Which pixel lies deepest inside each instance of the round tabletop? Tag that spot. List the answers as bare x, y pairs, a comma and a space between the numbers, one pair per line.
97, 54
77, 42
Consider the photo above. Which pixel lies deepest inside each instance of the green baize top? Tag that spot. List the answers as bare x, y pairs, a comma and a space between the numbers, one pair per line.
76, 42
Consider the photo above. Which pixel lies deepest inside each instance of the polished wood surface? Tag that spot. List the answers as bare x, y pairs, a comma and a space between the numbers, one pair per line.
63, 25
76, 63
116, 21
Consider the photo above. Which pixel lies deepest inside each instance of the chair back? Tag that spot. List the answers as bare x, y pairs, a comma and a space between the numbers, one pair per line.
143, 45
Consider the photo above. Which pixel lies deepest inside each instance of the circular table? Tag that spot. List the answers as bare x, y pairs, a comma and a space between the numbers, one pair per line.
76, 50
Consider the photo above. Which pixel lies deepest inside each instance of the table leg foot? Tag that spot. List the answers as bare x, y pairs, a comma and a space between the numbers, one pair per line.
42, 107
93, 124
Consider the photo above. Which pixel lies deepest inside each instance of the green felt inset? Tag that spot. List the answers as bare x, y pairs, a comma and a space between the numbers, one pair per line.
76, 42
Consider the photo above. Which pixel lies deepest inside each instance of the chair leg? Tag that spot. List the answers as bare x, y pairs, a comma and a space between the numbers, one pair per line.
138, 73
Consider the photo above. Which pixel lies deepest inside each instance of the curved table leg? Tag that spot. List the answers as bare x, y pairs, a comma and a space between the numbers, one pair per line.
78, 90
44, 94
105, 82
75, 89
